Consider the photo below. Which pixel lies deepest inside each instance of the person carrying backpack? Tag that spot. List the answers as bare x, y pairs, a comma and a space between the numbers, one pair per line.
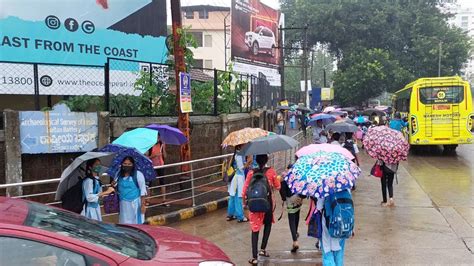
131, 187
293, 208
351, 146
257, 194
337, 224
91, 190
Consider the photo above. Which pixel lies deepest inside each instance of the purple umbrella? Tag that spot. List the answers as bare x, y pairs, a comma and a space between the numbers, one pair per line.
169, 135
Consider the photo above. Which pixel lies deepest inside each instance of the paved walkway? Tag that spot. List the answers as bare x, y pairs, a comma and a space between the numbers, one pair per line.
432, 224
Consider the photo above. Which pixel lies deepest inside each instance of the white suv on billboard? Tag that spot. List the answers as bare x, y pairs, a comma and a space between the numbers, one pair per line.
261, 39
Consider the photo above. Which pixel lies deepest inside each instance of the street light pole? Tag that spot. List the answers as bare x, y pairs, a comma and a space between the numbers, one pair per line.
439, 58
180, 66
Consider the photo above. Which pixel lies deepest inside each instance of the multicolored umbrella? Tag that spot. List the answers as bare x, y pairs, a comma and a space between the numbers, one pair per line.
314, 148
321, 174
142, 163
169, 135
386, 144
141, 139
243, 136
329, 109
327, 119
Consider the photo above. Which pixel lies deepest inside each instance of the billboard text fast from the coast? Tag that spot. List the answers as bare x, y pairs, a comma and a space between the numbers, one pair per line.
76, 32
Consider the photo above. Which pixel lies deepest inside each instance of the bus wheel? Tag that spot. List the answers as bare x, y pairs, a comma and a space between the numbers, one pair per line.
450, 148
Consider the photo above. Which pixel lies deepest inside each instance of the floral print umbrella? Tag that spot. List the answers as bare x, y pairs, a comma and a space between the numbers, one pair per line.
386, 144
243, 136
321, 174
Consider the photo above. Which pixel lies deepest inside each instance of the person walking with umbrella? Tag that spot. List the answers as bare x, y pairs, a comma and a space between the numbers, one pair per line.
388, 147
329, 177
235, 208
131, 187
91, 190
157, 155
259, 219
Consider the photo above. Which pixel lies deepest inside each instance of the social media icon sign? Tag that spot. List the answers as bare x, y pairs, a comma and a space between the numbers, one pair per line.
88, 27
52, 22
71, 24
46, 81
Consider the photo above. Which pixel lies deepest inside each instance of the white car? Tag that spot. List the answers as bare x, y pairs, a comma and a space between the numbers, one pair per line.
261, 39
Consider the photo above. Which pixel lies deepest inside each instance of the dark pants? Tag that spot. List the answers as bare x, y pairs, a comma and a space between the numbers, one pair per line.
294, 220
267, 222
387, 182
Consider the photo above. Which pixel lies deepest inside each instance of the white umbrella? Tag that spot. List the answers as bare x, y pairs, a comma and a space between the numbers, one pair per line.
70, 176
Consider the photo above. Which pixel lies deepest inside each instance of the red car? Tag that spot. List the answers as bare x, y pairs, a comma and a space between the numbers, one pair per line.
36, 234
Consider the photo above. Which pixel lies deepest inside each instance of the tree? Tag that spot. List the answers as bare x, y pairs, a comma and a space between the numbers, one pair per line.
409, 31
368, 72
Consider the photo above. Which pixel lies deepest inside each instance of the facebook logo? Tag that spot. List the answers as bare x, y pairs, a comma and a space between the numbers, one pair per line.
71, 24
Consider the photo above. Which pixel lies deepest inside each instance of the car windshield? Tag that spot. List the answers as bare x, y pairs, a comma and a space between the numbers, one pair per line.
258, 29
124, 240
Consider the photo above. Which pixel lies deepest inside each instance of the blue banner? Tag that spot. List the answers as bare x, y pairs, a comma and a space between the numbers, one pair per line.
82, 32
58, 131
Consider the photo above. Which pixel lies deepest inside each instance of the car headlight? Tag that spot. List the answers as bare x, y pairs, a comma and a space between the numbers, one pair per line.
215, 263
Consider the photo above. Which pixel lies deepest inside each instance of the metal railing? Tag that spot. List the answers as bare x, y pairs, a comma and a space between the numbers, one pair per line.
200, 184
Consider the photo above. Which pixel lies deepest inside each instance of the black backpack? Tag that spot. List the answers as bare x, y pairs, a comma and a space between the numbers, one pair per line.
349, 145
258, 192
73, 199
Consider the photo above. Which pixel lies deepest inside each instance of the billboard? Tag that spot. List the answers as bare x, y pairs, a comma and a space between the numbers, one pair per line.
76, 32
255, 33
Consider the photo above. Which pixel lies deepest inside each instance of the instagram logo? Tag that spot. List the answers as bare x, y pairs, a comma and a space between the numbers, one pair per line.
52, 22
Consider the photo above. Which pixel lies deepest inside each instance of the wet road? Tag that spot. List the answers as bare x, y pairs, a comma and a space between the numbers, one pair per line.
432, 222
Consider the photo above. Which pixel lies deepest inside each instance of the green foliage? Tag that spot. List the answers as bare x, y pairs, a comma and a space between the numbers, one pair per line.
368, 72
203, 97
409, 32
186, 41
85, 103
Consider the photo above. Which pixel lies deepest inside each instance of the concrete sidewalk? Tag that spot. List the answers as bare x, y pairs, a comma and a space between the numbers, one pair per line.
413, 232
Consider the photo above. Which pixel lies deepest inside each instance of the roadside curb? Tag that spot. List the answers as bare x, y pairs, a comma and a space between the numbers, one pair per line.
187, 213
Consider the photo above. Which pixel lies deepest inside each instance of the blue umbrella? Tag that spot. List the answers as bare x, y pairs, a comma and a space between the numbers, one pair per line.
327, 119
141, 139
142, 163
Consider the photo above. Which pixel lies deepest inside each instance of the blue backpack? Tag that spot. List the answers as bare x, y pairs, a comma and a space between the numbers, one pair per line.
339, 214
258, 192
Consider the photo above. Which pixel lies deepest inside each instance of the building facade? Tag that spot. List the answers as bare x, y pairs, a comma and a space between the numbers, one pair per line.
207, 24
464, 19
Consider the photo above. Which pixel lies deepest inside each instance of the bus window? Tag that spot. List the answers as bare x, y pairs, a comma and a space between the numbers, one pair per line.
437, 95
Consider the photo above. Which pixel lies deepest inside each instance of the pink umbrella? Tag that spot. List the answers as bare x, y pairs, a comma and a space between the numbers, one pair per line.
386, 144
329, 109
313, 148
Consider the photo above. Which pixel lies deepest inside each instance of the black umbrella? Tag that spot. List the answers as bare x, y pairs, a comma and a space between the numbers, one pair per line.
371, 111
269, 144
348, 109
342, 127
304, 109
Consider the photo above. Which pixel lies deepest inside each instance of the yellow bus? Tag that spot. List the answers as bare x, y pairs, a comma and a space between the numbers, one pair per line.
439, 111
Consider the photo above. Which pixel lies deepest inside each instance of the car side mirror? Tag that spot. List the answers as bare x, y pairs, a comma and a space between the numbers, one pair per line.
261, 33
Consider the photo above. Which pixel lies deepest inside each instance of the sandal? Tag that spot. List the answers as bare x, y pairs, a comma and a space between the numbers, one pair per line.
263, 253
243, 220
230, 218
253, 261
294, 249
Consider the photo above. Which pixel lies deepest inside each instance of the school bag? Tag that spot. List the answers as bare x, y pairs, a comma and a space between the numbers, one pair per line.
72, 200
228, 170
112, 202
349, 145
258, 192
339, 214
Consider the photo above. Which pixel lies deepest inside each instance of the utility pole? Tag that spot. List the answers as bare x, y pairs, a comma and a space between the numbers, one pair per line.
439, 58
225, 40
305, 64
180, 66
282, 62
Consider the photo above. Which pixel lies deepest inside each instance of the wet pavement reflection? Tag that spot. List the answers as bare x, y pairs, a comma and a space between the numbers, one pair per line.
432, 222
